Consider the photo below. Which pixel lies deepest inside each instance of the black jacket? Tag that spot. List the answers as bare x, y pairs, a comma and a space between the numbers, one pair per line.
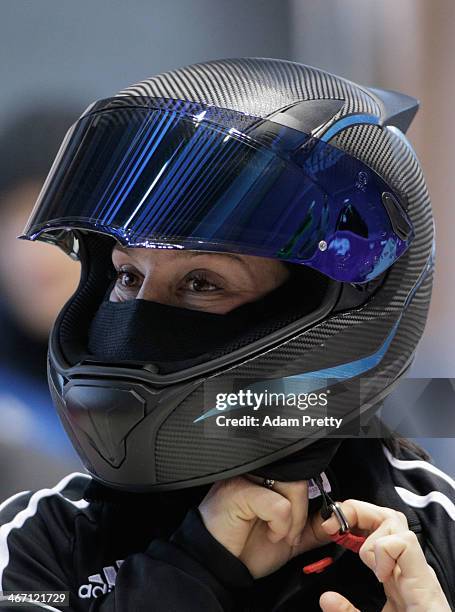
137, 553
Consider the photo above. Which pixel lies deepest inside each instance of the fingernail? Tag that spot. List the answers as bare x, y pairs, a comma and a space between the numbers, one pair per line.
296, 541
330, 525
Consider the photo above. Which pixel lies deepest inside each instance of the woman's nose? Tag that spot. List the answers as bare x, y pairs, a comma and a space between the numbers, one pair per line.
155, 287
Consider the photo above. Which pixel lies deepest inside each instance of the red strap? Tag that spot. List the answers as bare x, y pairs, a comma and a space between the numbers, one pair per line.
349, 540
318, 566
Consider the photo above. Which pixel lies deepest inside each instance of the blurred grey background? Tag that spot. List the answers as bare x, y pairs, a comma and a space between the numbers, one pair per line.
65, 53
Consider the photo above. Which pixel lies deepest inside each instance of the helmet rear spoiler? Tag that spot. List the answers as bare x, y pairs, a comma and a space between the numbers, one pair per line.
398, 109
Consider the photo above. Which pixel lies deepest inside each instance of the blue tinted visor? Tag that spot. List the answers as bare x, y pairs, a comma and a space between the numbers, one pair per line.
160, 173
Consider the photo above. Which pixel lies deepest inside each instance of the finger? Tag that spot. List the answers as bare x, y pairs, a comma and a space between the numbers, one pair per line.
269, 506
395, 523
361, 516
402, 549
297, 494
334, 602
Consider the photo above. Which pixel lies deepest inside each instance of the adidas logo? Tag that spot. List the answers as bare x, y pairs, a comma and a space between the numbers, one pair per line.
100, 584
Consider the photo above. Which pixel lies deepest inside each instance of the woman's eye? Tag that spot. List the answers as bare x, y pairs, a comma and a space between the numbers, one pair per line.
200, 284
128, 280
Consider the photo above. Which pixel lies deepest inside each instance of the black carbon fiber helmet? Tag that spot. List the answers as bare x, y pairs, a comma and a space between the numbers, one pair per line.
254, 156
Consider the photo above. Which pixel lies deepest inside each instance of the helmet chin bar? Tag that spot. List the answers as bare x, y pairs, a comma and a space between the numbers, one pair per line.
114, 423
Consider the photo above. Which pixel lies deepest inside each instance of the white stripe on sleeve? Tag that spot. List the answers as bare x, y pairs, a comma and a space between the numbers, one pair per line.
421, 501
11, 499
20, 518
413, 464
7, 605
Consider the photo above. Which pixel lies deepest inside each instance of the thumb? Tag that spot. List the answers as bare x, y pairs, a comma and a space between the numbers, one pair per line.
334, 602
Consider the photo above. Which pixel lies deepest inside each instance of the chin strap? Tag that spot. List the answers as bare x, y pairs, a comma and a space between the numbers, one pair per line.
344, 537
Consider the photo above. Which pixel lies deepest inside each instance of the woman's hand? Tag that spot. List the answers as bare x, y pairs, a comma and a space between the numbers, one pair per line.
393, 552
264, 528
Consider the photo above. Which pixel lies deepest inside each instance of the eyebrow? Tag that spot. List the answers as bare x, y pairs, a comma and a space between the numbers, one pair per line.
191, 254
213, 254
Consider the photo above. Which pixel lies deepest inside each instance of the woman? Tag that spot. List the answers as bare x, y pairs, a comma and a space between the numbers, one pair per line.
256, 247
